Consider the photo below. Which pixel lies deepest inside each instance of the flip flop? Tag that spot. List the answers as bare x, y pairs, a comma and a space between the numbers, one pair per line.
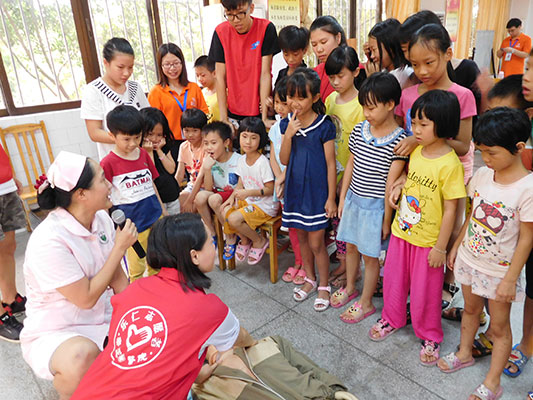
289, 275
484, 393
383, 328
301, 274
242, 251
229, 251
530, 395
482, 346
454, 364
257, 254
517, 358
343, 297
356, 309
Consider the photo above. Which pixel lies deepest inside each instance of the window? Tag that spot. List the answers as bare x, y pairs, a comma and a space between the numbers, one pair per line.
40, 51
181, 24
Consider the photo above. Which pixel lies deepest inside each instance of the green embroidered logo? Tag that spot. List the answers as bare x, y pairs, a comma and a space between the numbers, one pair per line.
103, 238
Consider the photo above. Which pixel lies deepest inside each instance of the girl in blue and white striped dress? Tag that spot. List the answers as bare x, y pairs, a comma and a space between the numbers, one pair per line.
365, 215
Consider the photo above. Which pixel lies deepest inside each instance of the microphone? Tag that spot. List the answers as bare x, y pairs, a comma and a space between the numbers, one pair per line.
119, 218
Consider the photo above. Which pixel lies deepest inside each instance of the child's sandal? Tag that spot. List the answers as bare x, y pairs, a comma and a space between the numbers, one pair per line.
241, 253
289, 275
299, 278
484, 393
518, 359
229, 251
454, 364
342, 297
429, 348
383, 329
300, 294
322, 304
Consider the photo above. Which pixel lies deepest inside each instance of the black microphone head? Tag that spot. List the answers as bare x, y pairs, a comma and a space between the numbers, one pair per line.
118, 216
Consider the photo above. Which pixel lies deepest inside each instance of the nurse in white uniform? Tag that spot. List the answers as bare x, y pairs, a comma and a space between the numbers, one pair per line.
71, 269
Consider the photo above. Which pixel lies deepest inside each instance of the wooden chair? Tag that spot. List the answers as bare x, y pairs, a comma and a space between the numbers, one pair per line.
269, 228
25, 137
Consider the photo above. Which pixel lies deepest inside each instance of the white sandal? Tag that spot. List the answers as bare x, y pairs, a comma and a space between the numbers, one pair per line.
322, 304
300, 294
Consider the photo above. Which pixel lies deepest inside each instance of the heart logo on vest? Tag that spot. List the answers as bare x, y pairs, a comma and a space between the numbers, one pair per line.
137, 336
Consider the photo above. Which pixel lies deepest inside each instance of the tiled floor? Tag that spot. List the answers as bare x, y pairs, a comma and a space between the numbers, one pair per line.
387, 370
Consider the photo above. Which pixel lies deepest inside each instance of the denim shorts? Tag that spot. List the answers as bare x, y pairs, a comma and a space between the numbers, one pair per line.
361, 222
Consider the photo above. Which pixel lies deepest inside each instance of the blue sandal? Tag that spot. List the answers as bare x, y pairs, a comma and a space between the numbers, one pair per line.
517, 358
229, 251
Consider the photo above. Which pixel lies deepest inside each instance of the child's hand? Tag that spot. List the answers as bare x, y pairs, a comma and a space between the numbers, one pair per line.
331, 208
294, 125
159, 146
436, 259
340, 208
240, 194
506, 291
385, 230
394, 196
148, 145
452, 255
208, 163
279, 187
269, 103
371, 67
406, 146
188, 206
269, 123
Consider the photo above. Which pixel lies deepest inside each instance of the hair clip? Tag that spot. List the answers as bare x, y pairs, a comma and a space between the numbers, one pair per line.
41, 183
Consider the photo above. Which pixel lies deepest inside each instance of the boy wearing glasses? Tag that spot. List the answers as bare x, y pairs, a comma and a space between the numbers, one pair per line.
242, 48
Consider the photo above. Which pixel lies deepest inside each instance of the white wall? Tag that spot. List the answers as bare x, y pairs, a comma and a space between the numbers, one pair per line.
66, 131
523, 9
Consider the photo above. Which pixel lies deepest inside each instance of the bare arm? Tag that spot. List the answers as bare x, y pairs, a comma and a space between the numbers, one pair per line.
166, 159
97, 132
437, 255
86, 292
499, 53
329, 151
461, 144
163, 208
265, 85
244, 339
180, 173
286, 140
347, 177
395, 171
273, 163
221, 87
506, 290
119, 281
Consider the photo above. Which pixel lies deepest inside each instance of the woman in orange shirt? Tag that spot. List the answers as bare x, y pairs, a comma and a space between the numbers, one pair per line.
174, 93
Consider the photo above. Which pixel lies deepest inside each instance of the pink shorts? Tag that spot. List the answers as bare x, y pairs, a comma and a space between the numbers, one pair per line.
483, 285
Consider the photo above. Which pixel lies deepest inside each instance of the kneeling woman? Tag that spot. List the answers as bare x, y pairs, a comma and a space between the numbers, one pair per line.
163, 324
71, 269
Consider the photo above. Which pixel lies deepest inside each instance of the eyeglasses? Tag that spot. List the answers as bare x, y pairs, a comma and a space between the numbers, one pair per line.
171, 65
238, 16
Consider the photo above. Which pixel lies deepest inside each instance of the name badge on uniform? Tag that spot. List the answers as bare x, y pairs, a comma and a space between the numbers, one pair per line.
508, 56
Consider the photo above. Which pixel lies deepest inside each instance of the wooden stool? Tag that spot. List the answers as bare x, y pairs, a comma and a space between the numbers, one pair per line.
269, 228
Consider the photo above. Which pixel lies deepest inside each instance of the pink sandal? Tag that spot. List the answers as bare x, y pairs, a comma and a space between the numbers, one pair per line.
242, 251
343, 297
356, 309
289, 275
383, 329
484, 393
301, 274
257, 254
429, 348
454, 364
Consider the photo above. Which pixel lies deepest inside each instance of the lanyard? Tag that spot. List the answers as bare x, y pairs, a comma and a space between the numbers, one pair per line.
184, 105
513, 44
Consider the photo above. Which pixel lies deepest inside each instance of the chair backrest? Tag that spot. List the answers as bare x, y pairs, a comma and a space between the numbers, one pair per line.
25, 137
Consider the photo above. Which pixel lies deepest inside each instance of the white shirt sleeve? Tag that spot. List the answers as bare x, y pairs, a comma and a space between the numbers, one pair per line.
92, 104
141, 98
225, 335
265, 170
